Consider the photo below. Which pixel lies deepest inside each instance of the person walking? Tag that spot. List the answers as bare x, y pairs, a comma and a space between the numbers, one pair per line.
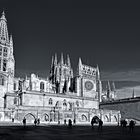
92, 122
65, 122
131, 125
70, 123
100, 124
74, 121
35, 122
124, 123
24, 122
38, 121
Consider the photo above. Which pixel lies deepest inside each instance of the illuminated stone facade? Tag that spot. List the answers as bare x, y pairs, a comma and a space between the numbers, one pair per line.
59, 97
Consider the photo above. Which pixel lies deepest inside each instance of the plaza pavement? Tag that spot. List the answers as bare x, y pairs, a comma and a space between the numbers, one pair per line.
15, 131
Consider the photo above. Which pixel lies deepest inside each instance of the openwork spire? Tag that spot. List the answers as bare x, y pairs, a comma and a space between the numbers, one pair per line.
62, 60
3, 16
55, 59
68, 61
108, 86
11, 45
80, 62
52, 61
79, 69
11, 41
4, 38
98, 73
113, 87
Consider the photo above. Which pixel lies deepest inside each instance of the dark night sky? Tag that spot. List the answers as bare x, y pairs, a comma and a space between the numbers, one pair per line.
106, 33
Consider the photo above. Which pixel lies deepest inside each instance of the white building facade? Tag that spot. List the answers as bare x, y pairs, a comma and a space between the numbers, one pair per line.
59, 97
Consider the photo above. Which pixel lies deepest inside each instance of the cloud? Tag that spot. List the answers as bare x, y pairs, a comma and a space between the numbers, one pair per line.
128, 75
126, 92
125, 82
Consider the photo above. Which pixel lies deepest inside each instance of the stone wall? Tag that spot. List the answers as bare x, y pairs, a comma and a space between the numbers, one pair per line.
32, 99
129, 109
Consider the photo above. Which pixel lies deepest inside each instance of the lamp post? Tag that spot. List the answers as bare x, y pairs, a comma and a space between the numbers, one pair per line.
58, 117
54, 113
50, 115
43, 100
12, 114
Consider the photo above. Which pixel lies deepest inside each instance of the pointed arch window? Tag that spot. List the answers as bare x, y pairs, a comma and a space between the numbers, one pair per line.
2, 80
0, 64
4, 65
5, 52
15, 86
57, 104
77, 103
15, 101
42, 86
50, 101
0, 50
64, 105
70, 106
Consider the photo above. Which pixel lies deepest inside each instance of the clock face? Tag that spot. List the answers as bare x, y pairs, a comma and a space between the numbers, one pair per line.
88, 85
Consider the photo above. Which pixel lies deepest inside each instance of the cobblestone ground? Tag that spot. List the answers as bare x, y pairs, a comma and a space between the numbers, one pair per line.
54, 132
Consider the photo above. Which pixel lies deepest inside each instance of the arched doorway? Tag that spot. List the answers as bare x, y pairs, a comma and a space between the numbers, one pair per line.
106, 118
29, 118
45, 118
41, 86
114, 119
84, 118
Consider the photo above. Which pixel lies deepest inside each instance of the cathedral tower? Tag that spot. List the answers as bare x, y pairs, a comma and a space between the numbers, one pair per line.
61, 74
7, 62
88, 82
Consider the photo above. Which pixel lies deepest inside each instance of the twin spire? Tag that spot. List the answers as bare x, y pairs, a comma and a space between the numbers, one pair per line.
55, 61
113, 88
62, 59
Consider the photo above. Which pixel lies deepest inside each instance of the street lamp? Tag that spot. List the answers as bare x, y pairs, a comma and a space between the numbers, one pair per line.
43, 100
58, 117
54, 113
52, 110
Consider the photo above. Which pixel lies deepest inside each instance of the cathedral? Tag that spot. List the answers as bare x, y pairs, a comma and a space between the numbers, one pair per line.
61, 96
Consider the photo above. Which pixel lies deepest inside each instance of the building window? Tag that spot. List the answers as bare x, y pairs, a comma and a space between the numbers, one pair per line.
57, 104
70, 106
77, 103
5, 52
15, 101
0, 63
1, 80
4, 65
50, 101
15, 86
41, 86
64, 105
0, 50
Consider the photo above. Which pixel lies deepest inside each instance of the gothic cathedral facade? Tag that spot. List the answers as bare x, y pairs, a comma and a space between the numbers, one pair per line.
59, 97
